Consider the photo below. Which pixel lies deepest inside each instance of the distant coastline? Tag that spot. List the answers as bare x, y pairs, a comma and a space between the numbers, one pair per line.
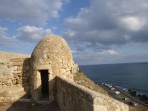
126, 75
114, 63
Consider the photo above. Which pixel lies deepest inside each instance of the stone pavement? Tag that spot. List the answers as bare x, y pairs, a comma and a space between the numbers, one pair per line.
30, 106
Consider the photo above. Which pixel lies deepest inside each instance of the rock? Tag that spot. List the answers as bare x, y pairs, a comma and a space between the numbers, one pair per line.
19, 74
14, 81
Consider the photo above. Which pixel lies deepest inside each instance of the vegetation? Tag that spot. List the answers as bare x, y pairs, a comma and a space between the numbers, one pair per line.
81, 79
1, 63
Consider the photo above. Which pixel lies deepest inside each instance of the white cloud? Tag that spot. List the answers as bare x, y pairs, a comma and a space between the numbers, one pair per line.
104, 26
38, 11
133, 23
108, 52
109, 23
32, 33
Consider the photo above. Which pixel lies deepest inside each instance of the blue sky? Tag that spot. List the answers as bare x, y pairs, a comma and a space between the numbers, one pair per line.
97, 31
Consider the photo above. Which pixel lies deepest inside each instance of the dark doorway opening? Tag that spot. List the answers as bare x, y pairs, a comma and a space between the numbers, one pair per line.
44, 84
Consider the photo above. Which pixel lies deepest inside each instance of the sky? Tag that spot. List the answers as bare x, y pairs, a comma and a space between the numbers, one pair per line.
97, 31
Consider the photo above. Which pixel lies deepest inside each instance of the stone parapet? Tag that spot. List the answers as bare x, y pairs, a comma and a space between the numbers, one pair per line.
73, 97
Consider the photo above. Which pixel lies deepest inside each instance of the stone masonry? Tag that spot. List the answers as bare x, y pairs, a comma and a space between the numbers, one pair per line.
52, 54
14, 83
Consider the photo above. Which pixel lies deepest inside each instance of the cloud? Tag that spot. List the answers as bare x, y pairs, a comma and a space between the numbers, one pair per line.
95, 57
2, 30
109, 23
96, 53
104, 26
32, 33
36, 11
27, 36
107, 52
132, 23
107, 57
5, 41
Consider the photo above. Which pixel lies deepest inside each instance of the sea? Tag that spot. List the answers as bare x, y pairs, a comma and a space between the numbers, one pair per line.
132, 76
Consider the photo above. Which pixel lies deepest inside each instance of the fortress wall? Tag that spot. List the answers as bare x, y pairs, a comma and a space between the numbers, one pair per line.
21, 72
15, 84
11, 94
73, 97
16, 74
6, 56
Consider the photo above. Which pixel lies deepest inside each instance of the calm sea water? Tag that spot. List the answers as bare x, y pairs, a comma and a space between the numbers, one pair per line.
128, 75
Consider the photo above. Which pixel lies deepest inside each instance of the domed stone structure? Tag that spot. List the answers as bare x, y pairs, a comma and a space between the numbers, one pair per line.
51, 57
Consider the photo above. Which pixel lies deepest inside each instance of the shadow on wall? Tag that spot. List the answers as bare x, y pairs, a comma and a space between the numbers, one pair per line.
26, 72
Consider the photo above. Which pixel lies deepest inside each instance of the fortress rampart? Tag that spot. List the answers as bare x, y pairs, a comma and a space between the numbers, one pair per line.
49, 74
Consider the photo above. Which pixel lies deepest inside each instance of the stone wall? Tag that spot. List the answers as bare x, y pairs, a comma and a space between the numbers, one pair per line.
21, 72
17, 74
14, 80
73, 97
11, 94
6, 81
6, 56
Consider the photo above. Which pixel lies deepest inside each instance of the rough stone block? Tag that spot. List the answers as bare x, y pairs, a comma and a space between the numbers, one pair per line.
20, 81
19, 74
14, 81
2, 98
15, 75
14, 68
17, 63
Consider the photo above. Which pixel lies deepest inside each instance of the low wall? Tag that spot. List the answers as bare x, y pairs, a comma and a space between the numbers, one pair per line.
73, 97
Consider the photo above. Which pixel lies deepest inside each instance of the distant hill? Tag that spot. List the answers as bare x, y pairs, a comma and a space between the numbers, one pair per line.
6, 56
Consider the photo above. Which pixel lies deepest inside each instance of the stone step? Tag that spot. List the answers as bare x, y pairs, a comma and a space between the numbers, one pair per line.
43, 102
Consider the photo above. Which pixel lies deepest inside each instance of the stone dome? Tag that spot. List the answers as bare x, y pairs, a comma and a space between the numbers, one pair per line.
53, 51
51, 57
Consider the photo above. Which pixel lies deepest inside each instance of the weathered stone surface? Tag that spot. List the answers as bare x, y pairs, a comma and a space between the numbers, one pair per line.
18, 76
55, 52
52, 53
11, 94
73, 97
5, 57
